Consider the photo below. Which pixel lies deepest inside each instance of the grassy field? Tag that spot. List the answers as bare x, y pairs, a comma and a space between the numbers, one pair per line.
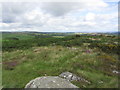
92, 57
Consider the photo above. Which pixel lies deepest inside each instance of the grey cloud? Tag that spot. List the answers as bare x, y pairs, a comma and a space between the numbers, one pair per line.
60, 8
12, 11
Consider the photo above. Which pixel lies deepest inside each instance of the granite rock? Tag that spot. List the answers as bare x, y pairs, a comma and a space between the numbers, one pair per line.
50, 82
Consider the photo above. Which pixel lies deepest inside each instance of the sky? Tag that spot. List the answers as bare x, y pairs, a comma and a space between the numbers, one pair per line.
82, 16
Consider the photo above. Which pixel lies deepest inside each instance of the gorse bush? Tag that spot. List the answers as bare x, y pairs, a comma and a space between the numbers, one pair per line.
108, 48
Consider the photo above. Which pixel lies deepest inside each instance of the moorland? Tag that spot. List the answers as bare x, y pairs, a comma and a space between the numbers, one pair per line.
92, 56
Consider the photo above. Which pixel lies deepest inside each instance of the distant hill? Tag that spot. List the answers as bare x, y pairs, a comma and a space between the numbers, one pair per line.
115, 33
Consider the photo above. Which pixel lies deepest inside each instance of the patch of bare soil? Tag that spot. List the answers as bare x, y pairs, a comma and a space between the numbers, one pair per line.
10, 65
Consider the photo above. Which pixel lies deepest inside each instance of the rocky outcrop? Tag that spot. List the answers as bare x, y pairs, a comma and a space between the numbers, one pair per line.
50, 82
61, 81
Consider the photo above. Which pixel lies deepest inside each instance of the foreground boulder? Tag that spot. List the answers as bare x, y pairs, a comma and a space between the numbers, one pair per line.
50, 82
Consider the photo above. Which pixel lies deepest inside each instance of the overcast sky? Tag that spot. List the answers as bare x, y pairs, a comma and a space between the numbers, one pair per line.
84, 16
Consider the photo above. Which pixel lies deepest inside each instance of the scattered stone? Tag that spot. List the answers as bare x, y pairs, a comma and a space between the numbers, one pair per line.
74, 48
83, 85
100, 82
69, 76
72, 77
50, 82
116, 42
114, 71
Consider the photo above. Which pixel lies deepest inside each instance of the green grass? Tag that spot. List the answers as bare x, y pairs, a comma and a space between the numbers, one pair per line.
53, 60
20, 36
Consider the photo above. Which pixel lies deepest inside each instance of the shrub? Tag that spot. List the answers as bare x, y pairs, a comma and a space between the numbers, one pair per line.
108, 48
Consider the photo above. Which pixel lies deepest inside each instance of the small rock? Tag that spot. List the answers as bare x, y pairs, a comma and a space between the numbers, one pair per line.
69, 76
100, 82
72, 77
114, 71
